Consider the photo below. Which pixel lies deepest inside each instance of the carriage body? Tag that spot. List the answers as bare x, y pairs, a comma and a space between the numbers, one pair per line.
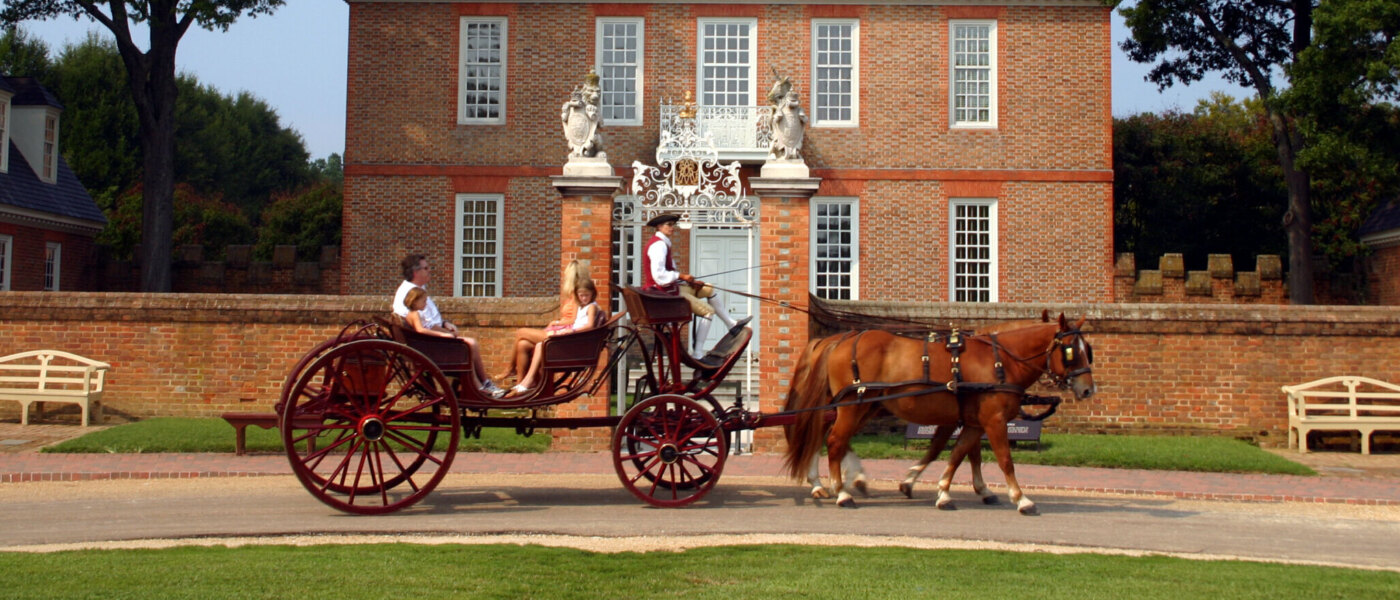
371, 419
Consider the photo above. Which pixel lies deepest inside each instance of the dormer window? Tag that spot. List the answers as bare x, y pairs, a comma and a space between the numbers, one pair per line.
50, 172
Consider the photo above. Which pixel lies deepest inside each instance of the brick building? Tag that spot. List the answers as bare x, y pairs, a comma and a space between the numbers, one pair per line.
47, 219
992, 118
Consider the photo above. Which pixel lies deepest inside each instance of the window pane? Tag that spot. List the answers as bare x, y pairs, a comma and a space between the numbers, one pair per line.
482, 69
834, 252
972, 256
479, 245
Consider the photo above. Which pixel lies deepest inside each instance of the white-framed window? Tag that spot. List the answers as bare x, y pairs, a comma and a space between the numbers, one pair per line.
620, 51
835, 72
4, 133
835, 235
478, 250
481, 79
7, 244
726, 58
53, 261
974, 63
50, 172
973, 249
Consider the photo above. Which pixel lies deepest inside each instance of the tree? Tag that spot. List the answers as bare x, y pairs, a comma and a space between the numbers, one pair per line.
1197, 183
1347, 85
101, 132
329, 169
152, 83
23, 56
308, 220
1251, 43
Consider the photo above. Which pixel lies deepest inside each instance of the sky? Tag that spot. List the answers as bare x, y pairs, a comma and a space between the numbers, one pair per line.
295, 60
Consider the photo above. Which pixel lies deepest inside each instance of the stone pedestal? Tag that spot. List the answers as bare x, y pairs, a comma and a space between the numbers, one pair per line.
784, 239
585, 234
588, 166
784, 168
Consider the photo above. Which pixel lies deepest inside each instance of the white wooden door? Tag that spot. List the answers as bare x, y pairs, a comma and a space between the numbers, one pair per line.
721, 258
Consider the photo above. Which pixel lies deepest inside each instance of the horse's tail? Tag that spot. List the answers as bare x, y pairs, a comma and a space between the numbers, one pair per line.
808, 389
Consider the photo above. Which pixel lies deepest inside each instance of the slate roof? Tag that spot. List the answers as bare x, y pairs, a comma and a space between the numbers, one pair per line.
28, 92
21, 188
5, 87
1386, 218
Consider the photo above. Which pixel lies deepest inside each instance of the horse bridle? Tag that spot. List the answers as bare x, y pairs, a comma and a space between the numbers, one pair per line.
1067, 351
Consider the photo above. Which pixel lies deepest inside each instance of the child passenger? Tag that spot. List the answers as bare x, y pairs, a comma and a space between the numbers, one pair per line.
585, 295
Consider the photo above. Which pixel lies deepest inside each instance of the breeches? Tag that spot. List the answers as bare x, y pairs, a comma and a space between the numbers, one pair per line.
697, 305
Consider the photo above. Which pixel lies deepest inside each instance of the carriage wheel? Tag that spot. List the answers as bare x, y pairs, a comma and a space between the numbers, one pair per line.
669, 450
365, 418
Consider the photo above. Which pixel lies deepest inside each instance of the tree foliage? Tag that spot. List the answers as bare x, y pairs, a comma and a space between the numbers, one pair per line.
152, 84
1347, 86
199, 220
308, 220
1197, 183
22, 55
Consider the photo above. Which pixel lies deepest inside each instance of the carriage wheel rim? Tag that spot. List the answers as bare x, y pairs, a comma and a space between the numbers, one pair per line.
384, 434
669, 450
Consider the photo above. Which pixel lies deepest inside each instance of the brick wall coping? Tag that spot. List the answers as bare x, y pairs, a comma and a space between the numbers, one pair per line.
1155, 318
258, 308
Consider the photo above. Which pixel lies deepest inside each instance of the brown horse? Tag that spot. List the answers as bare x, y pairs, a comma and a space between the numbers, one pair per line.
862, 369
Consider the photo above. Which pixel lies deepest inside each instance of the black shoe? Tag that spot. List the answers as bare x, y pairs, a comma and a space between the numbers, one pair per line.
739, 325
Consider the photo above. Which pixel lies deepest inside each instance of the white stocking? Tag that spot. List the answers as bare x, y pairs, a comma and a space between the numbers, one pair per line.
702, 333
721, 311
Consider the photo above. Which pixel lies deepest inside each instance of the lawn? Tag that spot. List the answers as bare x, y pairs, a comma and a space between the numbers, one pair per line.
172, 434
782, 571
1175, 453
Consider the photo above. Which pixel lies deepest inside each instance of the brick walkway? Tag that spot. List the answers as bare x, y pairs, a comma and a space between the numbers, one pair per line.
1175, 484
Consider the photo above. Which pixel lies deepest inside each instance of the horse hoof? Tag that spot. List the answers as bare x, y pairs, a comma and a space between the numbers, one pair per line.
907, 490
990, 500
946, 506
862, 487
1030, 511
846, 503
820, 494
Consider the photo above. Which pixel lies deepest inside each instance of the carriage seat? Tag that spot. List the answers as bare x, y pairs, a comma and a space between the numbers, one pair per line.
449, 354
649, 308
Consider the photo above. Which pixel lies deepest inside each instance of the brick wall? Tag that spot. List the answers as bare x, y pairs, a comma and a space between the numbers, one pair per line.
1383, 275
237, 273
1049, 159
203, 354
1194, 369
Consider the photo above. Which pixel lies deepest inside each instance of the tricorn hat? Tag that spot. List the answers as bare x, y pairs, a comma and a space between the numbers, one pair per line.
660, 220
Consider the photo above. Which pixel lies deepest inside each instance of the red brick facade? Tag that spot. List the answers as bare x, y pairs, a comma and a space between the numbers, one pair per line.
1047, 162
27, 252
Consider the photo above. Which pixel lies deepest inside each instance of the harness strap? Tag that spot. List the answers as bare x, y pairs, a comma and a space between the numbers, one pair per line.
996, 356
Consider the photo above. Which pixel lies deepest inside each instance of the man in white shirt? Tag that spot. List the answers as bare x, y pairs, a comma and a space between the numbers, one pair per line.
661, 276
415, 275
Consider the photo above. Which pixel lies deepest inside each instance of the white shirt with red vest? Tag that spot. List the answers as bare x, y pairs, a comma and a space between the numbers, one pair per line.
661, 274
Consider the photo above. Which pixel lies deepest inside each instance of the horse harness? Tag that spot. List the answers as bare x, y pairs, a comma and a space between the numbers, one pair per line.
955, 342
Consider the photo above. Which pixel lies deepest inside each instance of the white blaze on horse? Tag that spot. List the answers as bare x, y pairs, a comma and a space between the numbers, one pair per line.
977, 381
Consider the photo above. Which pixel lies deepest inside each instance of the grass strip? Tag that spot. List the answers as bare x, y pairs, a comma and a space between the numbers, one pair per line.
175, 434
1169, 453
777, 571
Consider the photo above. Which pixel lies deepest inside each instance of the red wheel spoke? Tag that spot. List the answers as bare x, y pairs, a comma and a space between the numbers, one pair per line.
378, 465
411, 444
322, 453
395, 457
343, 467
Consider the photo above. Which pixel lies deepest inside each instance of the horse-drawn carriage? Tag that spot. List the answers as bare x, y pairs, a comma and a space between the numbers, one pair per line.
371, 420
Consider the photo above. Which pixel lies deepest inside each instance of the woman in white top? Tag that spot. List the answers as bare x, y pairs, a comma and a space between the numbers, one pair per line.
587, 319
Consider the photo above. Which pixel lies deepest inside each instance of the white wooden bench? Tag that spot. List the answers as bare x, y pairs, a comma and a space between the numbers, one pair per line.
52, 376
1345, 403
